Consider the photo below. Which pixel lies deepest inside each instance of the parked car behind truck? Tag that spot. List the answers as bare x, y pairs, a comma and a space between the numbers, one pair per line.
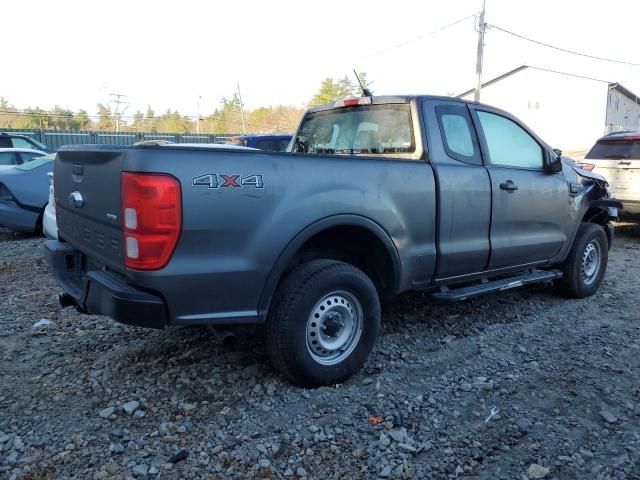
380, 195
273, 142
617, 157
23, 193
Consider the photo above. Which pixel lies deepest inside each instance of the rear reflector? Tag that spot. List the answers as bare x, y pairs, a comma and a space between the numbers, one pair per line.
352, 102
152, 214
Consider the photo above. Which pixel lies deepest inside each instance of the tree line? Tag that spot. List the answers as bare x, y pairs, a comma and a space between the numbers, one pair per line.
226, 118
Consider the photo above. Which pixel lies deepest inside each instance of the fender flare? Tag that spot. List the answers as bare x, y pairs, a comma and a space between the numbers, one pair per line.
602, 203
342, 220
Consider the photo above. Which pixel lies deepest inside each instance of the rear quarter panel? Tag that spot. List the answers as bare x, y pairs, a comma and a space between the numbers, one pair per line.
232, 236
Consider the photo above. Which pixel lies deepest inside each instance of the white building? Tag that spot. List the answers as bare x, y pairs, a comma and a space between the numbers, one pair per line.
568, 111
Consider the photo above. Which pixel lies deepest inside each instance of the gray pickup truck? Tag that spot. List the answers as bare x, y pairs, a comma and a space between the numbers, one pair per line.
378, 196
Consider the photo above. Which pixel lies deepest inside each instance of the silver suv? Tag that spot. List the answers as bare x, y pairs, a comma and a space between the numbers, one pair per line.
617, 158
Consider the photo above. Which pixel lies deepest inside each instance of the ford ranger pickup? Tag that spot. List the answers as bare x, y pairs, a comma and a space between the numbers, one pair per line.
378, 195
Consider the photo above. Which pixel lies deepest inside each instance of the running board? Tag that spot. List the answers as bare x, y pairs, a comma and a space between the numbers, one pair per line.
447, 295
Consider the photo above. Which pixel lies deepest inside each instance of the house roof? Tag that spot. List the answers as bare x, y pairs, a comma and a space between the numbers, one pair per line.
612, 85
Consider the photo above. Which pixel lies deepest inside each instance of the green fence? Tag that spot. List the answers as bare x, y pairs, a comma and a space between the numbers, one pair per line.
56, 138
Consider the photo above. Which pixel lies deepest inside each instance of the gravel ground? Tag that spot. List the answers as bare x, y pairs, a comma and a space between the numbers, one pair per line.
524, 385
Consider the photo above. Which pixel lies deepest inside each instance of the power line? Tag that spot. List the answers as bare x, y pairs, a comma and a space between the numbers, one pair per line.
420, 37
117, 115
573, 52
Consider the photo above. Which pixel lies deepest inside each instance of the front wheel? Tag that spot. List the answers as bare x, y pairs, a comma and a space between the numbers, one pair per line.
585, 266
323, 323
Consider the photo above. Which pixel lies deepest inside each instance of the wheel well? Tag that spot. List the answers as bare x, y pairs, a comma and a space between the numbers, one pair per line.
599, 216
596, 215
355, 245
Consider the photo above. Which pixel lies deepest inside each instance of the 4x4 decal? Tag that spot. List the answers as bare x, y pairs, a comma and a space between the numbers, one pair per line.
218, 180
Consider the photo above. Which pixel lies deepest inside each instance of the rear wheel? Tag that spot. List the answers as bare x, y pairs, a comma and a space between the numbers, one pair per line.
585, 266
323, 323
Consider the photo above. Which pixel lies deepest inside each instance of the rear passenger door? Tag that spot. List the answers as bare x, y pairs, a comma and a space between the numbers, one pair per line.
529, 205
464, 189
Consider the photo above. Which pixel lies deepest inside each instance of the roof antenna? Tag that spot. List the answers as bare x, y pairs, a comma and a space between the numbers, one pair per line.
365, 91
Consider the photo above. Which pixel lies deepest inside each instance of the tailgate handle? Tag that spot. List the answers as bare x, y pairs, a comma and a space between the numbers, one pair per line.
509, 186
624, 163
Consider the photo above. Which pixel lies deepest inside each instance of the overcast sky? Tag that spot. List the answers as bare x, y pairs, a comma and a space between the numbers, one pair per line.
166, 53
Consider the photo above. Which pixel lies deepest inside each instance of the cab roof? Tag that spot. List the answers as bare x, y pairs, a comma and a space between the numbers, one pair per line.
382, 99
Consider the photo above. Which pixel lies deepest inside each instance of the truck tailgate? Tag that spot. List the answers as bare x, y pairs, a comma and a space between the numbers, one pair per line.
87, 192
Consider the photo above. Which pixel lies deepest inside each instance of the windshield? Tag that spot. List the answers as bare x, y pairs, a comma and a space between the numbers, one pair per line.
367, 130
37, 162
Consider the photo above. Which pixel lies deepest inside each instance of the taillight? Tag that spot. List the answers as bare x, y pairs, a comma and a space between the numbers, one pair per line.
585, 166
152, 218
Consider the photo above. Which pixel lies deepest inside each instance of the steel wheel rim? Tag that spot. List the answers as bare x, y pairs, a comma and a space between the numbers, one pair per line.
591, 260
334, 327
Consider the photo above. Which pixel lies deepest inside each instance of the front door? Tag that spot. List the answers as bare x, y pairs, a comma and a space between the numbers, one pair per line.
529, 205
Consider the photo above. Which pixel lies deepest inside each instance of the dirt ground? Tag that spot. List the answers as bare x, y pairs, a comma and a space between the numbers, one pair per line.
523, 385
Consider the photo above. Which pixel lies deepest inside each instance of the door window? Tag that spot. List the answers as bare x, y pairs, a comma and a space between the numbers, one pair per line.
8, 158
21, 143
509, 144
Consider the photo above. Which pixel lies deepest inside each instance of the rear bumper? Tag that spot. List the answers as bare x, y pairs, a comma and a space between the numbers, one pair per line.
102, 293
49, 225
14, 217
631, 206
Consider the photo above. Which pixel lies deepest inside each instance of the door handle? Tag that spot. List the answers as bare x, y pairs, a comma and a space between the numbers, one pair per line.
624, 163
509, 186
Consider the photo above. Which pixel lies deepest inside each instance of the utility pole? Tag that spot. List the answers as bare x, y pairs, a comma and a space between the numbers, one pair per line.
117, 114
481, 30
244, 127
198, 115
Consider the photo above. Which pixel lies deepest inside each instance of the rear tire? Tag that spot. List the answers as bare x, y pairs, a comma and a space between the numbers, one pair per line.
584, 268
323, 323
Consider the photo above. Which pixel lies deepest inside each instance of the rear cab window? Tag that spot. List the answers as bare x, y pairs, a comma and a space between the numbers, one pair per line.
382, 129
458, 136
622, 148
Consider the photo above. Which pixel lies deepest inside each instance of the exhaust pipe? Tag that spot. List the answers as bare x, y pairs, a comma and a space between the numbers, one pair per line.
67, 300
226, 337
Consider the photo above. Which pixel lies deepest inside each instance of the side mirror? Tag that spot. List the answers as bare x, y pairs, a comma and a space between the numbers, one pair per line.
554, 161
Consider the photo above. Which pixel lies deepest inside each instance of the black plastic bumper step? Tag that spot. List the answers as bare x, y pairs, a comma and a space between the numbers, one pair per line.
532, 276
